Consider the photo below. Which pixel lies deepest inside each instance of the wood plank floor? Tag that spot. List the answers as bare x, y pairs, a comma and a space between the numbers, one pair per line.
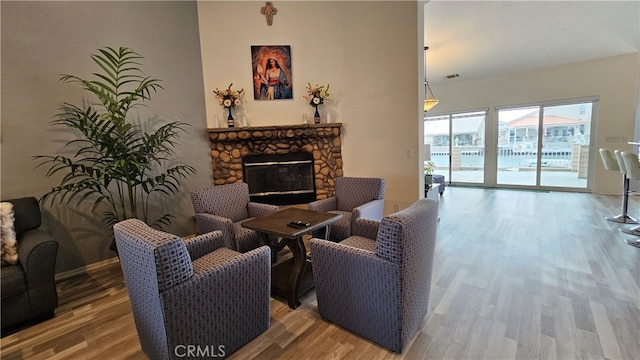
517, 275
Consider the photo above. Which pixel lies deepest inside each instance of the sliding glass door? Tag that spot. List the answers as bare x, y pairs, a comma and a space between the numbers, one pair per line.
517, 146
456, 144
544, 146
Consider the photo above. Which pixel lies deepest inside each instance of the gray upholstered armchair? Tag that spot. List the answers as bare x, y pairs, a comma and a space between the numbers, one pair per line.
354, 198
192, 292
224, 208
379, 288
29, 287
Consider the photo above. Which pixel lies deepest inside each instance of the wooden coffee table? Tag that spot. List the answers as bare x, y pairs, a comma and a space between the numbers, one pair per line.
292, 277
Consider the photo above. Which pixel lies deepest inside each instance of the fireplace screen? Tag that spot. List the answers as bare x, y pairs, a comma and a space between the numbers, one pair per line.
280, 179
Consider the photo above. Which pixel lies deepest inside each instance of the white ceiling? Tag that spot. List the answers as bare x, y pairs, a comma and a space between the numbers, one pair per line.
484, 38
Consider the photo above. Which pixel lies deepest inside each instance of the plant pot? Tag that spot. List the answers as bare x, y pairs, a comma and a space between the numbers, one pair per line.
428, 179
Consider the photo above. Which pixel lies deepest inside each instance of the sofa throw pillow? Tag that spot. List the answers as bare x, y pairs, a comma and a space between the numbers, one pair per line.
9, 255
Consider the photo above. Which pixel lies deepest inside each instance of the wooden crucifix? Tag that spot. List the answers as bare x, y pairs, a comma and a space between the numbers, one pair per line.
269, 10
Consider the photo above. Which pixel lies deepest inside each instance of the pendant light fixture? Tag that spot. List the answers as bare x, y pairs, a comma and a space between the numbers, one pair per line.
429, 100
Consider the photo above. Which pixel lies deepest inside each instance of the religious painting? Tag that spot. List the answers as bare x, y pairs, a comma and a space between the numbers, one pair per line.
271, 72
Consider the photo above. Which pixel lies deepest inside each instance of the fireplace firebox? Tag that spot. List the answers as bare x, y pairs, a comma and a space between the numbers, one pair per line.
283, 179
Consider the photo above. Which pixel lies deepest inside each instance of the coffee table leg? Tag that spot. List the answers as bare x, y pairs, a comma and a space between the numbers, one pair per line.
299, 261
327, 231
266, 240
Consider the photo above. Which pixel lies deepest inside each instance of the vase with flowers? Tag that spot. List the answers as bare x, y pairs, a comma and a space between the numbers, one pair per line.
315, 96
229, 99
429, 166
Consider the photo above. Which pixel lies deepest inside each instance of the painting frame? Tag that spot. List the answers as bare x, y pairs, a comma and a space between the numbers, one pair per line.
272, 73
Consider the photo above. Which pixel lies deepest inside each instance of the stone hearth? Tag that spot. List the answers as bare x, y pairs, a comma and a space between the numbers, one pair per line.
230, 145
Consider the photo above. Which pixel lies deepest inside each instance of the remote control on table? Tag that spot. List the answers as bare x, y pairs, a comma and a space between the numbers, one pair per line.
298, 224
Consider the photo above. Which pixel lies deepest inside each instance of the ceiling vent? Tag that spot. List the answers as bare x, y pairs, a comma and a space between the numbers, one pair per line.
452, 76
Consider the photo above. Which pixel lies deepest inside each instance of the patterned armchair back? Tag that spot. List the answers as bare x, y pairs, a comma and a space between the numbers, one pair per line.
408, 238
352, 192
228, 201
152, 262
146, 253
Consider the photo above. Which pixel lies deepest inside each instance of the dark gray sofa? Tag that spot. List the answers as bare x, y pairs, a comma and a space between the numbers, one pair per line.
28, 287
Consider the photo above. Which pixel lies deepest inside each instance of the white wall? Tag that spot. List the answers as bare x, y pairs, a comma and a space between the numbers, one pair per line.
368, 51
613, 80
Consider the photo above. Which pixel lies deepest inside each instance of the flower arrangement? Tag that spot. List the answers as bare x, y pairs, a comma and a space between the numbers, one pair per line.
429, 166
229, 98
316, 95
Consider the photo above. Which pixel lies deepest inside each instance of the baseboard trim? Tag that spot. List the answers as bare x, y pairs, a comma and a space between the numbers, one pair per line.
83, 270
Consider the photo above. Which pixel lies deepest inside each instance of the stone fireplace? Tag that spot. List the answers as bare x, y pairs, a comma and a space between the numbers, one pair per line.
229, 146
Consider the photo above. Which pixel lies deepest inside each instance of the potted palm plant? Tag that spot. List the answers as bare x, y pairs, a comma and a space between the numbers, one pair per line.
429, 166
115, 161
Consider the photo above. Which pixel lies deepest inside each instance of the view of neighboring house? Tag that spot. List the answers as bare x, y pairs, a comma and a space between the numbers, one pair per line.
561, 126
467, 132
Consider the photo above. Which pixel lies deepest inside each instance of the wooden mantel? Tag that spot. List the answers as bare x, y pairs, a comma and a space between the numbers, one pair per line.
303, 127
230, 145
